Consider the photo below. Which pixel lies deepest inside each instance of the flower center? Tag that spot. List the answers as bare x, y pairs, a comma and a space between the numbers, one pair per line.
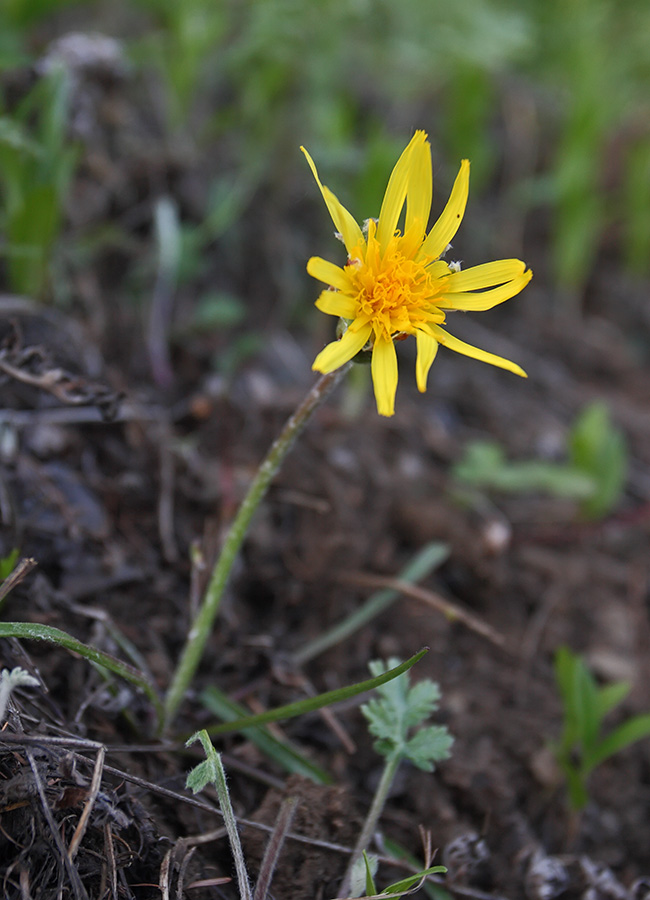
395, 293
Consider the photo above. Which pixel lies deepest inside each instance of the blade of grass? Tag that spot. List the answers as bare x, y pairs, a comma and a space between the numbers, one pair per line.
34, 632
310, 704
281, 752
429, 558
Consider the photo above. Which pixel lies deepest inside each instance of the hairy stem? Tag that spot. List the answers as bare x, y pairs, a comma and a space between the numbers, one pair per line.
202, 626
370, 823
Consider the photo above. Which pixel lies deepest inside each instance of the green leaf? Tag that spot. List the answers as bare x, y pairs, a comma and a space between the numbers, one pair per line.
35, 632
428, 745
282, 752
628, 733
301, 707
598, 449
399, 708
611, 695
484, 465
400, 887
7, 563
205, 772
371, 868
580, 699
430, 888
421, 700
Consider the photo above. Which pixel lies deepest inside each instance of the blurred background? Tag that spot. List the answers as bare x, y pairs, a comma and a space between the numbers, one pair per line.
110, 108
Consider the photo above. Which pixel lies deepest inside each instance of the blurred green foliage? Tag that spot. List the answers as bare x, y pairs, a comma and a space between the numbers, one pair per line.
583, 746
594, 473
537, 95
36, 165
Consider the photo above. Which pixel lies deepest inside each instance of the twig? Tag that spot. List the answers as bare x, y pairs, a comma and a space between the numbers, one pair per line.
95, 784
22, 570
449, 610
274, 846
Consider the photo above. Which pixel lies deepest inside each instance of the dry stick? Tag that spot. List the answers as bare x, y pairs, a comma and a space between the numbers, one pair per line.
163, 875
449, 610
201, 627
23, 568
80, 830
182, 869
110, 855
426, 559
274, 846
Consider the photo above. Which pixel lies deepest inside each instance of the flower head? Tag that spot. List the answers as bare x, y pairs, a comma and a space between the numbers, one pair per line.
395, 283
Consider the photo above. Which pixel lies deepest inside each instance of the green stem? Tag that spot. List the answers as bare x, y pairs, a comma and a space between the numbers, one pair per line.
370, 823
202, 626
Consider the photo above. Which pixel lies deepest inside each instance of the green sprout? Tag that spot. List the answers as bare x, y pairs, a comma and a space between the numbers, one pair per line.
583, 746
594, 474
366, 866
211, 771
395, 718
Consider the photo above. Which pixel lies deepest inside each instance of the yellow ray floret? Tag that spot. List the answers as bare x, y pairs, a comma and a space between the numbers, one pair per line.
396, 283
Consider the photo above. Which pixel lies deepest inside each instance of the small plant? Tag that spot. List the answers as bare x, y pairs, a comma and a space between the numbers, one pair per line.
583, 746
594, 474
407, 885
9, 681
395, 718
597, 448
36, 165
211, 771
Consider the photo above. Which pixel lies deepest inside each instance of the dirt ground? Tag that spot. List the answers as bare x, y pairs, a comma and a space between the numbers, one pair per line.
109, 495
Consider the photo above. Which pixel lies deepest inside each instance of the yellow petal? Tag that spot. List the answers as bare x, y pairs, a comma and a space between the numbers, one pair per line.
447, 225
328, 273
438, 269
420, 187
336, 304
395, 195
484, 276
483, 300
338, 353
427, 349
447, 340
343, 220
384, 375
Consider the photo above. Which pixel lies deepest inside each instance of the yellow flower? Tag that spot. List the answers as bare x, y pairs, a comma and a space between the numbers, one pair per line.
395, 284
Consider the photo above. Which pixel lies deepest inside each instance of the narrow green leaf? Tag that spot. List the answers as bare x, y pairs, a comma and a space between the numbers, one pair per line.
371, 888
35, 632
430, 888
399, 887
628, 733
597, 448
425, 561
611, 695
282, 752
301, 707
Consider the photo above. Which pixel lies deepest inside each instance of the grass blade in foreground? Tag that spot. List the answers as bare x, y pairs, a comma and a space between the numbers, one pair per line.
282, 752
425, 561
34, 632
311, 703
